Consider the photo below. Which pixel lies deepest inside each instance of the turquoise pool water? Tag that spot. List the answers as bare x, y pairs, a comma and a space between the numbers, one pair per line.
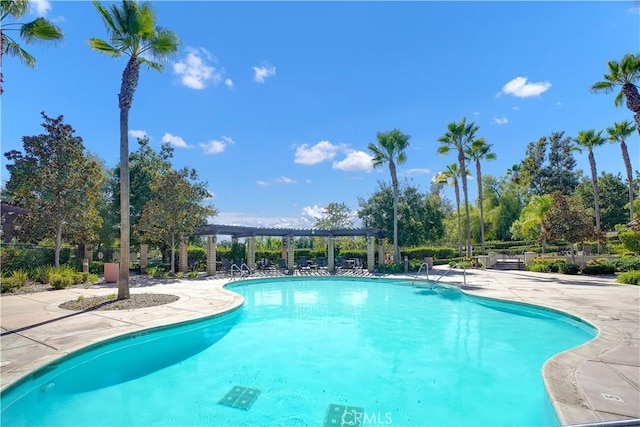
315, 352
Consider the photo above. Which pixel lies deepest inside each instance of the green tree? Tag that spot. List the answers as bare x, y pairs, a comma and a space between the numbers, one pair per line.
390, 149
133, 32
145, 164
569, 222
624, 74
419, 218
450, 176
38, 30
589, 139
529, 225
619, 133
513, 172
459, 137
335, 216
478, 151
613, 199
174, 210
549, 166
59, 183
503, 205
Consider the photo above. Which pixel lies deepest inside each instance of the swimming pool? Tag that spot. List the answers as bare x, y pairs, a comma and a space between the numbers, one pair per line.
315, 352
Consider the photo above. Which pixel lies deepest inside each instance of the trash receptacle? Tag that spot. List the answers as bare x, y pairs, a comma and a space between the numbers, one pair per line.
429, 261
111, 272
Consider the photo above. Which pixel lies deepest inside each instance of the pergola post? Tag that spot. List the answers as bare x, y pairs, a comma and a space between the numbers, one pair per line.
211, 255
283, 249
331, 255
380, 251
290, 253
251, 252
371, 253
184, 261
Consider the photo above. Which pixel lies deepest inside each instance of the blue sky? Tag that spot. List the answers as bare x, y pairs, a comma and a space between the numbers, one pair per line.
274, 103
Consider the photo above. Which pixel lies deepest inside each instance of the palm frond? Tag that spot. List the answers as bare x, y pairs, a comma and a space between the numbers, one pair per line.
604, 87
12, 48
41, 30
151, 64
106, 17
16, 8
103, 46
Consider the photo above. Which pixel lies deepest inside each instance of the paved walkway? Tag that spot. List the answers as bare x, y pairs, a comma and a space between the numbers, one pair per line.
598, 381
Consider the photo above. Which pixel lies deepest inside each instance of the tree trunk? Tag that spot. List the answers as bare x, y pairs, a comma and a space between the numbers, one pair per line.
633, 101
480, 197
127, 89
173, 255
596, 194
627, 165
58, 244
463, 173
457, 190
394, 183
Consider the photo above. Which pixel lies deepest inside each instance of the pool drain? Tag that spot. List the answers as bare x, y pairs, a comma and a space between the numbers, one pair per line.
240, 397
343, 415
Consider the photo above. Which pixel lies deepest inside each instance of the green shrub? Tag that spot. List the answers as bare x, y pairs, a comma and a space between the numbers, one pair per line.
8, 283
599, 266
629, 277
390, 268
20, 276
61, 281
565, 268
629, 263
548, 265
192, 274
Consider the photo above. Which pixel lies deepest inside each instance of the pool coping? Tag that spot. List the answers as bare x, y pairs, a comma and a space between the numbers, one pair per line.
35, 332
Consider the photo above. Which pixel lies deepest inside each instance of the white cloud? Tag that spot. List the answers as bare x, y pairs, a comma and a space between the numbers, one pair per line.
174, 140
310, 155
216, 146
255, 220
195, 72
285, 180
559, 104
476, 113
313, 212
228, 83
522, 89
138, 133
635, 10
263, 183
261, 73
417, 171
41, 7
500, 120
515, 108
355, 161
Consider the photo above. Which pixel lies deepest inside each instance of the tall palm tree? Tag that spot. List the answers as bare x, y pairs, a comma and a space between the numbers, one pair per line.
132, 32
589, 139
450, 176
624, 73
38, 30
619, 133
459, 136
390, 149
478, 151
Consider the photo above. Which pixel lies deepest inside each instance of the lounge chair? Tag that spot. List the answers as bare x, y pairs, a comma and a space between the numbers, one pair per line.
303, 263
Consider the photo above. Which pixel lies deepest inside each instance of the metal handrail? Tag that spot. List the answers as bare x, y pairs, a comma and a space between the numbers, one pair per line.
424, 264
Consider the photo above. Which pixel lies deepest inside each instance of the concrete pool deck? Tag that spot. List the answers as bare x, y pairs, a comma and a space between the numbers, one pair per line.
598, 381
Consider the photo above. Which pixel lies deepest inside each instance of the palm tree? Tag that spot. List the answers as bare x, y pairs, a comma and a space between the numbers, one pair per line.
132, 31
589, 139
514, 172
390, 149
39, 29
478, 151
618, 133
459, 136
624, 73
451, 175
